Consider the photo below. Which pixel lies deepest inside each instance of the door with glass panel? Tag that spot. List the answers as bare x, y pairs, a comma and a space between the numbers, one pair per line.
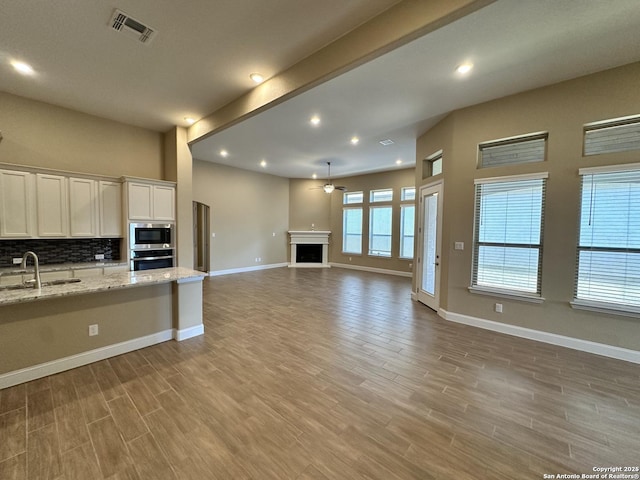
429, 241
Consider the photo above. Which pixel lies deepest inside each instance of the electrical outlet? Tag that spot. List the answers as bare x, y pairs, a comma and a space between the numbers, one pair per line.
16, 261
93, 330
498, 307
213, 235
273, 234
410, 266
99, 256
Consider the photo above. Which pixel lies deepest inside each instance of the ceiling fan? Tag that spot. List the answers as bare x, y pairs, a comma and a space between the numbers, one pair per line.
329, 186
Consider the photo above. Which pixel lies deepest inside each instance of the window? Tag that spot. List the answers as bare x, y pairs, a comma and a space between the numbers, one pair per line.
352, 223
385, 195
609, 239
618, 135
510, 151
380, 231
507, 245
408, 193
352, 197
407, 220
432, 165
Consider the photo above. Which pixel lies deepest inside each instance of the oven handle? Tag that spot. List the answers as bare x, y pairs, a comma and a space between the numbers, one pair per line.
137, 259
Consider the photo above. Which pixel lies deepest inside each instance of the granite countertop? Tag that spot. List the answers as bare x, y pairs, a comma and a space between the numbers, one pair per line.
58, 267
103, 283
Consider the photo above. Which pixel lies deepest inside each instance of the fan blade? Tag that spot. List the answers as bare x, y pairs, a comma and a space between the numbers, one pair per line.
341, 187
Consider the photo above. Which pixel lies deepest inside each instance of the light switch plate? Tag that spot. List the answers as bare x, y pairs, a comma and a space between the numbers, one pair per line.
16, 261
459, 245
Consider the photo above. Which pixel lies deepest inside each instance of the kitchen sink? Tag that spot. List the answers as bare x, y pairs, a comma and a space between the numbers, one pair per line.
30, 284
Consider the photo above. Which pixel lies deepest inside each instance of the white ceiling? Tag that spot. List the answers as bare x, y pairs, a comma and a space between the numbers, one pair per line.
515, 45
204, 52
199, 60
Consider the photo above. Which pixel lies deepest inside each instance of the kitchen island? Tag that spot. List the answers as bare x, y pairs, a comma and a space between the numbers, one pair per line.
46, 331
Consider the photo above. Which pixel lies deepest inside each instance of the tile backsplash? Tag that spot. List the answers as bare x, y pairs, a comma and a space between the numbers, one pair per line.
60, 251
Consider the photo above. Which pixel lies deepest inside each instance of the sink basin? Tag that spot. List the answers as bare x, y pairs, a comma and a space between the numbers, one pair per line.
19, 286
30, 284
62, 281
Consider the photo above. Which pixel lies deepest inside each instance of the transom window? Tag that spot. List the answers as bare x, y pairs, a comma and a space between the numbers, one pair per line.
509, 151
384, 195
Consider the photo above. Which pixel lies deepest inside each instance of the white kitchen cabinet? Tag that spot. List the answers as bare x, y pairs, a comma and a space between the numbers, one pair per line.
151, 202
110, 209
164, 201
83, 207
16, 204
53, 206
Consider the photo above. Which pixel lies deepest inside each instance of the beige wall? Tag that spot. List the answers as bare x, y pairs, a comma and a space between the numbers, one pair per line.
247, 208
42, 135
37, 332
562, 110
311, 205
308, 205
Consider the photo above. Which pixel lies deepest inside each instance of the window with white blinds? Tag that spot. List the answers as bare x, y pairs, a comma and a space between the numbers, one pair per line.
510, 151
609, 240
611, 136
509, 218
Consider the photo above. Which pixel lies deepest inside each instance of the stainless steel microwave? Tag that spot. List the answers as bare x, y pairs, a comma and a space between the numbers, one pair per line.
150, 235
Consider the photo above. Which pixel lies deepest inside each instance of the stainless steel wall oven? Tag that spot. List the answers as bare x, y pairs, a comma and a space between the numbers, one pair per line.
151, 245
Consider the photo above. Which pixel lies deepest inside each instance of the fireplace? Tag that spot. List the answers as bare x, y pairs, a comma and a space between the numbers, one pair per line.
309, 253
309, 248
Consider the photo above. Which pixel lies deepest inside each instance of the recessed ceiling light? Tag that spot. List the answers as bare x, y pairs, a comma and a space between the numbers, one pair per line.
224, 153
190, 120
314, 176
315, 120
399, 161
354, 140
23, 68
387, 142
256, 77
464, 68
263, 163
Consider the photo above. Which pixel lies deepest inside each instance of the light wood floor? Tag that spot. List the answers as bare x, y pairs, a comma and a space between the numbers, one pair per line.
315, 374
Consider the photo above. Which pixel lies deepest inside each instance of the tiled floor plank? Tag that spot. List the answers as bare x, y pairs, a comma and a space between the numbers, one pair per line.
354, 381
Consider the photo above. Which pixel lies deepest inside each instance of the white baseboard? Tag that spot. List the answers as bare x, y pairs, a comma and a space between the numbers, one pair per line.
372, 269
545, 337
216, 273
56, 366
190, 332
414, 296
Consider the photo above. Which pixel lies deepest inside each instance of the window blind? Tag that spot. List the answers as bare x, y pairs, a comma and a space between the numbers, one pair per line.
508, 234
612, 137
609, 239
513, 151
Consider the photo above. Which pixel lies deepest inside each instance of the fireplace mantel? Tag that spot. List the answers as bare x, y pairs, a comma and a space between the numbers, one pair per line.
310, 237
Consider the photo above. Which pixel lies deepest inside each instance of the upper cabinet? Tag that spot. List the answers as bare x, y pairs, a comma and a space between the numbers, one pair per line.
110, 199
52, 204
16, 204
83, 207
149, 201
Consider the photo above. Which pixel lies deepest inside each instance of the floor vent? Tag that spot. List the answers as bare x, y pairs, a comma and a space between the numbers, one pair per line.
123, 23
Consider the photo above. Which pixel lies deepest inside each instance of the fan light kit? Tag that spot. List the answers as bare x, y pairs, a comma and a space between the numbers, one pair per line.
329, 186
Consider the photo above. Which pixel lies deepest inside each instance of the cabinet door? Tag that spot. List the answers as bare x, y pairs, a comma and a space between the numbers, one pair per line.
164, 202
140, 201
110, 209
16, 204
83, 207
53, 206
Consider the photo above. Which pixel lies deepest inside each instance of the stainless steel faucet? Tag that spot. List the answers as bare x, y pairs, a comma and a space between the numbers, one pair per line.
36, 278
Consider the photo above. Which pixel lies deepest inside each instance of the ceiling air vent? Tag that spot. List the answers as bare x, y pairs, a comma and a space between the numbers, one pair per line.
121, 22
